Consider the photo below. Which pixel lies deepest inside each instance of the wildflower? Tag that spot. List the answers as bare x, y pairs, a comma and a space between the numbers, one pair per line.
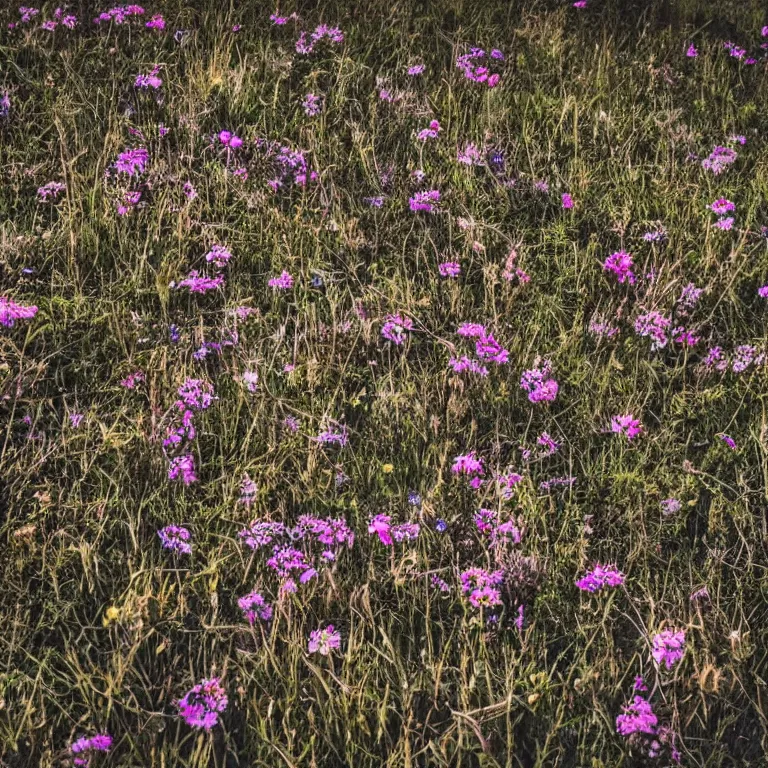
330, 437
639, 684
75, 419
253, 605
485, 597
620, 263
670, 506
655, 325
689, 297
691, 53
538, 383
175, 538
156, 22
248, 491
725, 223
132, 162
626, 425
405, 532
597, 328
471, 330
230, 140
700, 594
429, 133
728, 440
441, 526
762, 292
149, 81
467, 464
474, 579
183, 467
291, 424
84, 748
50, 190
201, 706
283, 282
440, 584
449, 269
311, 105
580, 4
415, 70
637, 717
251, 380
599, 577
5, 105
130, 381
395, 327
721, 206
219, 256
381, 526
189, 191
470, 155
465, 364
374, 202
668, 647
487, 348
507, 483
567, 201
258, 534
719, 159
10, 312
324, 641
424, 201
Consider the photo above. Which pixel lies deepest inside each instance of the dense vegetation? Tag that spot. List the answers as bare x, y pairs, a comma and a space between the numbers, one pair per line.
443, 324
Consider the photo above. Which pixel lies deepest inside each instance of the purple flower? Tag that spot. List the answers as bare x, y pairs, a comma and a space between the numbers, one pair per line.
467, 464
149, 81
620, 263
183, 467
599, 577
539, 384
395, 327
176, 538
485, 597
283, 282
230, 140
325, 640
429, 133
465, 364
75, 419
719, 159
567, 201
655, 325
253, 605
197, 283
219, 255
417, 69
763, 291
449, 269
721, 206
132, 162
470, 155
258, 534
691, 53
668, 647
728, 440
626, 425
725, 223
202, 705
311, 105
156, 22
425, 201
670, 506
381, 526
637, 717
10, 312
84, 748
50, 190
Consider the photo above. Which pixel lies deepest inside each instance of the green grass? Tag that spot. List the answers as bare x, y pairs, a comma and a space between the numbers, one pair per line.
602, 103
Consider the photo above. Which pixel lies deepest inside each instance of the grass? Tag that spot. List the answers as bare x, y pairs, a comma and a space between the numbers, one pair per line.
103, 630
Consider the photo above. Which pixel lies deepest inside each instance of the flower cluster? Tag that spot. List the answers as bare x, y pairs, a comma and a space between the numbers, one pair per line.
202, 704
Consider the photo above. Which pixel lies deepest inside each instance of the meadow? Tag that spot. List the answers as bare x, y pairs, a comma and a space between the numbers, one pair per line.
384, 384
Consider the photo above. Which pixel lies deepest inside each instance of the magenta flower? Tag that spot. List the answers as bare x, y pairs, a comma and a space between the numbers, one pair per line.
467, 464
324, 641
763, 291
725, 223
183, 467
655, 325
728, 440
253, 605
466, 364
449, 269
719, 159
283, 282
84, 748
176, 538
626, 425
637, 717
51, 190
132, 161
429, 133
539, 384
10, 312
567, 201
721, 206
395, 327
219, 256
691, 53
197, 283
149, 81
668, 647
620, 263
156, 22
599, 577
201, 706
470, 155
417, 69
381, 526
425, 201
485, 597
230, 140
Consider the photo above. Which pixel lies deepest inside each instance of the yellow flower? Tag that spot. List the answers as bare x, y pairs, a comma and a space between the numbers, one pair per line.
111, 614
387, 468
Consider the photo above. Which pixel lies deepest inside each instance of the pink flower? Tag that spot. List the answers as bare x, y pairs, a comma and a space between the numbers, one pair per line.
323, 641
762, 292
395, 327
668, 647
626, 425
567, 201
691, 53
283, 282
380, 525
449, 269
620, 263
